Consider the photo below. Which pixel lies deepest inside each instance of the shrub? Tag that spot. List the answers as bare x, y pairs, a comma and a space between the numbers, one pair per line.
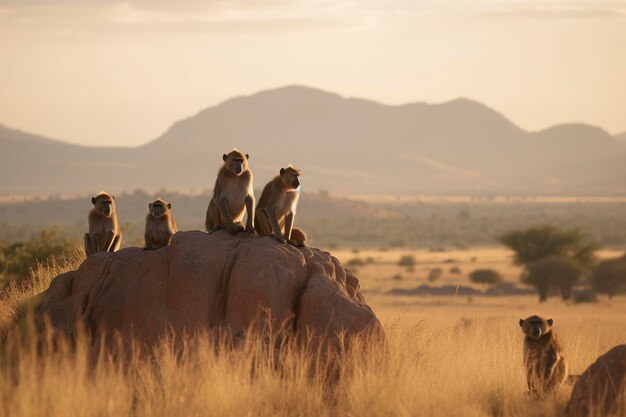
407, 261
18, 259
355, 262
485, 276
435, 274
455, 270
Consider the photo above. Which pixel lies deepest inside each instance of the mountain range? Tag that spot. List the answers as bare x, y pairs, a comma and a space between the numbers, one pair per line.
345, 145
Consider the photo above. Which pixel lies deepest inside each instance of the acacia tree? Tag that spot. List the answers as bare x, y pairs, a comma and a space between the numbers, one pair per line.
552, 257
553, 272
609, 277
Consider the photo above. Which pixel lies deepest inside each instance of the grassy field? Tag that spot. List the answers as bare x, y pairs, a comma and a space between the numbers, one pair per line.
447, 356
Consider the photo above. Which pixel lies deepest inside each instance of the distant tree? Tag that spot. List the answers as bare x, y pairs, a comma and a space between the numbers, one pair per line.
455, 270
536, 243
553, 272
485, 276
609, 277
434, 274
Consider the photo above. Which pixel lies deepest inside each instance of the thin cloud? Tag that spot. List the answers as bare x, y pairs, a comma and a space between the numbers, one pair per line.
186, 16
554, 12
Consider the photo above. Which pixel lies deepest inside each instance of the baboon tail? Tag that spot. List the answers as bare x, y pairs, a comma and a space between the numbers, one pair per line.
299, 236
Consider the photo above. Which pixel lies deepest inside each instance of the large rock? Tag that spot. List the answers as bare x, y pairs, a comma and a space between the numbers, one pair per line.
600, 389
210, 282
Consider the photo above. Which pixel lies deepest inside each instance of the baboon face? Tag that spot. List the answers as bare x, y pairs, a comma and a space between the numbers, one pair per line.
236, 161
104, 204
290, 177
159, 208
535, 326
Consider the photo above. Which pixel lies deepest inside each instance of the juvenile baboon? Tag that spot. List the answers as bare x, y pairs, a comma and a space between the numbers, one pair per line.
232, 195
277, 207
104, 232
546, 368
160, 224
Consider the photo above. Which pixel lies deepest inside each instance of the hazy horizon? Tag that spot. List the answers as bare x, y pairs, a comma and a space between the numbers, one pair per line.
121, 73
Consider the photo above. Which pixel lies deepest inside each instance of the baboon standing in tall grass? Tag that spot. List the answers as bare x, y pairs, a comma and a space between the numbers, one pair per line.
546, 368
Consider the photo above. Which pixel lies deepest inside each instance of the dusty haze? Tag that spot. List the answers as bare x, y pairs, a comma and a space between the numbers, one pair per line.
121, 72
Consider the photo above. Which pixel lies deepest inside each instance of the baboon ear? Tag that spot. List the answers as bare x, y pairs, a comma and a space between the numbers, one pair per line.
282, 171
550, 321
224, 157
247, 156
521, 322
169, 205
149, 205
93, 200
112, 197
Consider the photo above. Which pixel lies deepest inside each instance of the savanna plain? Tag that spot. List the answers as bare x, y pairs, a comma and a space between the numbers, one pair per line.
446, 355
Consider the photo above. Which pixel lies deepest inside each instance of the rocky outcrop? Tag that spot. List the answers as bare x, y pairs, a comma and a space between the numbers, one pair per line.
600, 389
210, 282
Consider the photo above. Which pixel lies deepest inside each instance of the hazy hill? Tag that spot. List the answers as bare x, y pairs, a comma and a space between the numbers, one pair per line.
621, 137
341, 144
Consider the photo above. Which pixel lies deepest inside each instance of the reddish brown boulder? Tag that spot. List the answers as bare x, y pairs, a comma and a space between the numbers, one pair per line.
600, 389
209, 282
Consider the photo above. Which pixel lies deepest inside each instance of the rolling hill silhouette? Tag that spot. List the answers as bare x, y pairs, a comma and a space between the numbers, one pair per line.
341, 144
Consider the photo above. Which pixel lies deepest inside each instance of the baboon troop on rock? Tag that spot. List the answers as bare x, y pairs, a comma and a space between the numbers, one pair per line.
233, 197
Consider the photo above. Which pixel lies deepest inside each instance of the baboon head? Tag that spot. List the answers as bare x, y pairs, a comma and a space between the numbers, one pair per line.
535, 326
290, 177
104, 204
236, 161
159, 208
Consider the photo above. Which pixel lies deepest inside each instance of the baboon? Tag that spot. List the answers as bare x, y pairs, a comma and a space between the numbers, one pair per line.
546, 368
104, 232
232, 195
277, 207
160, 224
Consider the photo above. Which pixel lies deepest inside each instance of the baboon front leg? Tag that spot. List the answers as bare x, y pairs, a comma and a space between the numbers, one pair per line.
273, 217
232, 227
95, 242
167, 238
88, 246
148, 238
108, 242
250, 212
117, 242
288, 227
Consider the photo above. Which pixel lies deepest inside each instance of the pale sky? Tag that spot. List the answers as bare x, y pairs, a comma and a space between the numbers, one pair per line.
101, 72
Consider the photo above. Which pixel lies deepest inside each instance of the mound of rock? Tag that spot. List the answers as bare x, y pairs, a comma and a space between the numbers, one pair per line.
600, 389
207, 283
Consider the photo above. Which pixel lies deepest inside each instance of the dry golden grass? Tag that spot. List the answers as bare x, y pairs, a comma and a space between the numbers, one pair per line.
14, 295
446, 356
